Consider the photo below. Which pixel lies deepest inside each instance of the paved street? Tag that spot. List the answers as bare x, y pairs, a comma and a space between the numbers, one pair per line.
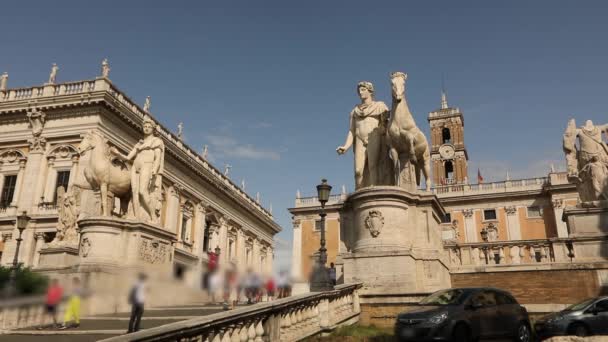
104, 326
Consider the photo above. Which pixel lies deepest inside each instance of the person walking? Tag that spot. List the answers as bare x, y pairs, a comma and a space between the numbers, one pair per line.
53, 298
71, 319
137, 299
332, 273
270, 288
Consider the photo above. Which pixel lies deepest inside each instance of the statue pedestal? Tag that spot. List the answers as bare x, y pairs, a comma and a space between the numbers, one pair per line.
394, 241
586, 222
58, 257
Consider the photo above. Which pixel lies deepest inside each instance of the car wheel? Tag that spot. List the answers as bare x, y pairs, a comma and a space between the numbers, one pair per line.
523, 333
579, 330
461, 333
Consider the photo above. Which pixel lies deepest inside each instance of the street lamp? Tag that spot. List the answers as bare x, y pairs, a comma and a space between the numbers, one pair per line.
22, 221
484, 237
320, 278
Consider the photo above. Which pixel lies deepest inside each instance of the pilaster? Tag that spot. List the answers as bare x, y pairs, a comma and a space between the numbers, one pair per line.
558, 211
470, 226
513, 226
296, 256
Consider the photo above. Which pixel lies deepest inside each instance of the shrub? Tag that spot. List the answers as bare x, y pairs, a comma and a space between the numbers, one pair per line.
26, 281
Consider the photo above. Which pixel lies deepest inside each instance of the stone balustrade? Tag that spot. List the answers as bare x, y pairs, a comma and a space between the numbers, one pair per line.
501, 253
89, 87
287, 319
489, 188
314, 200
25, 312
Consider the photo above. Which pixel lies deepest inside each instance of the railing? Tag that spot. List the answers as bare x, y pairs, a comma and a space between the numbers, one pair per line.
46, 209
488, 188
512, 252
288, 319
314, 201
442, 112
25, 312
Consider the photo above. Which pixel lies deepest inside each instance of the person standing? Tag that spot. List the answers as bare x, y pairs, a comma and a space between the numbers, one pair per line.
72, 314
332, 273
137, 299
270, 288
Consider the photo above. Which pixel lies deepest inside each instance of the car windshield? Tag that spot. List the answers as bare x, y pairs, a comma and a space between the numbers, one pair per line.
580, 306
445, 297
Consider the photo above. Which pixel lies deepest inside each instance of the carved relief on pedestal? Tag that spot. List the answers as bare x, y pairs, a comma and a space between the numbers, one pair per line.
85, 247
153, 252
374, 222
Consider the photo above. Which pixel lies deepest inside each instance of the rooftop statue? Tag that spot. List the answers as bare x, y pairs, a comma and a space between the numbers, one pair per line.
3, 81
53, 75
146, 173
105, 68
366, 132
408, 145
587, 164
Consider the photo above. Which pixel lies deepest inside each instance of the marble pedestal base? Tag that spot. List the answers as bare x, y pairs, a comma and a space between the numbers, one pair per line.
58, 257
586, 222
394, 241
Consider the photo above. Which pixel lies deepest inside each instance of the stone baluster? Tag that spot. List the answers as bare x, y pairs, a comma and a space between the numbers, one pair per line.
543, 253
514, 255
522, 254
532, 254
217, 336
482, 257
251, 331
226, 335
243, 337
501, 255
235, 334
259, 331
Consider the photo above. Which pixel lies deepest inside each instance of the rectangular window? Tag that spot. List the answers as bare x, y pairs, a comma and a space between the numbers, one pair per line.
206, 237
63, 179
8, 191
535, 212
489, 214
184, 227
447, 218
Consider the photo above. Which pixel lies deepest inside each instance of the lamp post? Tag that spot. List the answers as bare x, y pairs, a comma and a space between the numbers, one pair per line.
484, 237
320, 278
22, 221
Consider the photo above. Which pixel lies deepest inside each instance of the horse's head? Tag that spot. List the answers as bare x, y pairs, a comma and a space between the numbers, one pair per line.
398, 85
90, 141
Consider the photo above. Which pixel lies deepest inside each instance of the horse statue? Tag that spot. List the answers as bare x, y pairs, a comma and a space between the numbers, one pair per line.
105, 173
407, 144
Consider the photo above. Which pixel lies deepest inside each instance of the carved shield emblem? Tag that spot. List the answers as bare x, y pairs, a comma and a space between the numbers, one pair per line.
374, 222
85, 247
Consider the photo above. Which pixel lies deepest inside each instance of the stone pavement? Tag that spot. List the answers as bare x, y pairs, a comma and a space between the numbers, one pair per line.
105, 326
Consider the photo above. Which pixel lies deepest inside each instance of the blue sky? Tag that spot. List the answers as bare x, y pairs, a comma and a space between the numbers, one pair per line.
268, 85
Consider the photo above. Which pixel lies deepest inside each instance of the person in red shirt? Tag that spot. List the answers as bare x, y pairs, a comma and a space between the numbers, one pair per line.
53, 298
270, 288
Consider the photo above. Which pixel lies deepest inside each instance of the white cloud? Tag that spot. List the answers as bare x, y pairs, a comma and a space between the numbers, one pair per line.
230, 147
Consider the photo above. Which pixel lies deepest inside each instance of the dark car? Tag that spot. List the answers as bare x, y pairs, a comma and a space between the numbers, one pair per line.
589, 317
465, 314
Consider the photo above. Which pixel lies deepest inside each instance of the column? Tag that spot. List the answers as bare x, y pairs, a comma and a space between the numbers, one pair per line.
1, 179
558, 210
51, 181
41, 184
296, 256
223, 240
39, 237
269, 259
256, 255
20, 176
214, 240
470, 228
172, 210
73, 171
513, 228
240, 250
198, 229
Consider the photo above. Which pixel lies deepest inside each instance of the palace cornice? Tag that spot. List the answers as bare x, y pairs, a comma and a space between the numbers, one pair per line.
489, 196
102, 92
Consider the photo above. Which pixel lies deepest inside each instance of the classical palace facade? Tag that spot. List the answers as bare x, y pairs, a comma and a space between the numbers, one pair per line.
509, 222
41, 128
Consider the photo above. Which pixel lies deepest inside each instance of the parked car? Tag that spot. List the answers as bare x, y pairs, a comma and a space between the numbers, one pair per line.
589, 317
465, 314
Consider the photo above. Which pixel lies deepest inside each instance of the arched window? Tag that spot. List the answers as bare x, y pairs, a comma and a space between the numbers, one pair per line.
449, 170
446, 136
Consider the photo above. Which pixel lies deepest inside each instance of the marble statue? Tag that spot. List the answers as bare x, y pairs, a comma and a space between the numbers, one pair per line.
146, 173
243, 184
227, 168
257, 197
3, 81
53, 75
205, 152
105, 174
147, 104
366, 132
408, 145
68, 211
180, 130
105, 68
587, 164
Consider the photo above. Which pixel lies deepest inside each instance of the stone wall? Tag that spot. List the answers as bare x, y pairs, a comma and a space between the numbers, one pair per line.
538, 286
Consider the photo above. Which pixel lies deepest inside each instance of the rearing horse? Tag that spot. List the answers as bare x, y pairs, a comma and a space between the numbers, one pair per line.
406, 141
104, 174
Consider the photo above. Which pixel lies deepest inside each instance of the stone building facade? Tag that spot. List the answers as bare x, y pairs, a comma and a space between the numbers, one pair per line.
202, 209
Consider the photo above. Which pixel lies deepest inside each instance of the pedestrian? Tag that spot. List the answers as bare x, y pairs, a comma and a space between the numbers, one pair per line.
71, 319
332, 273
283, 284
270, 288
137, 298
53, 297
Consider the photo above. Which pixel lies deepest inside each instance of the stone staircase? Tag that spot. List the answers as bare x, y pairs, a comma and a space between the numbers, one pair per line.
95, 328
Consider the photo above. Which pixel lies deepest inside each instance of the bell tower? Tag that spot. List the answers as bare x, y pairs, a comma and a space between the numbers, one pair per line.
449, 155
